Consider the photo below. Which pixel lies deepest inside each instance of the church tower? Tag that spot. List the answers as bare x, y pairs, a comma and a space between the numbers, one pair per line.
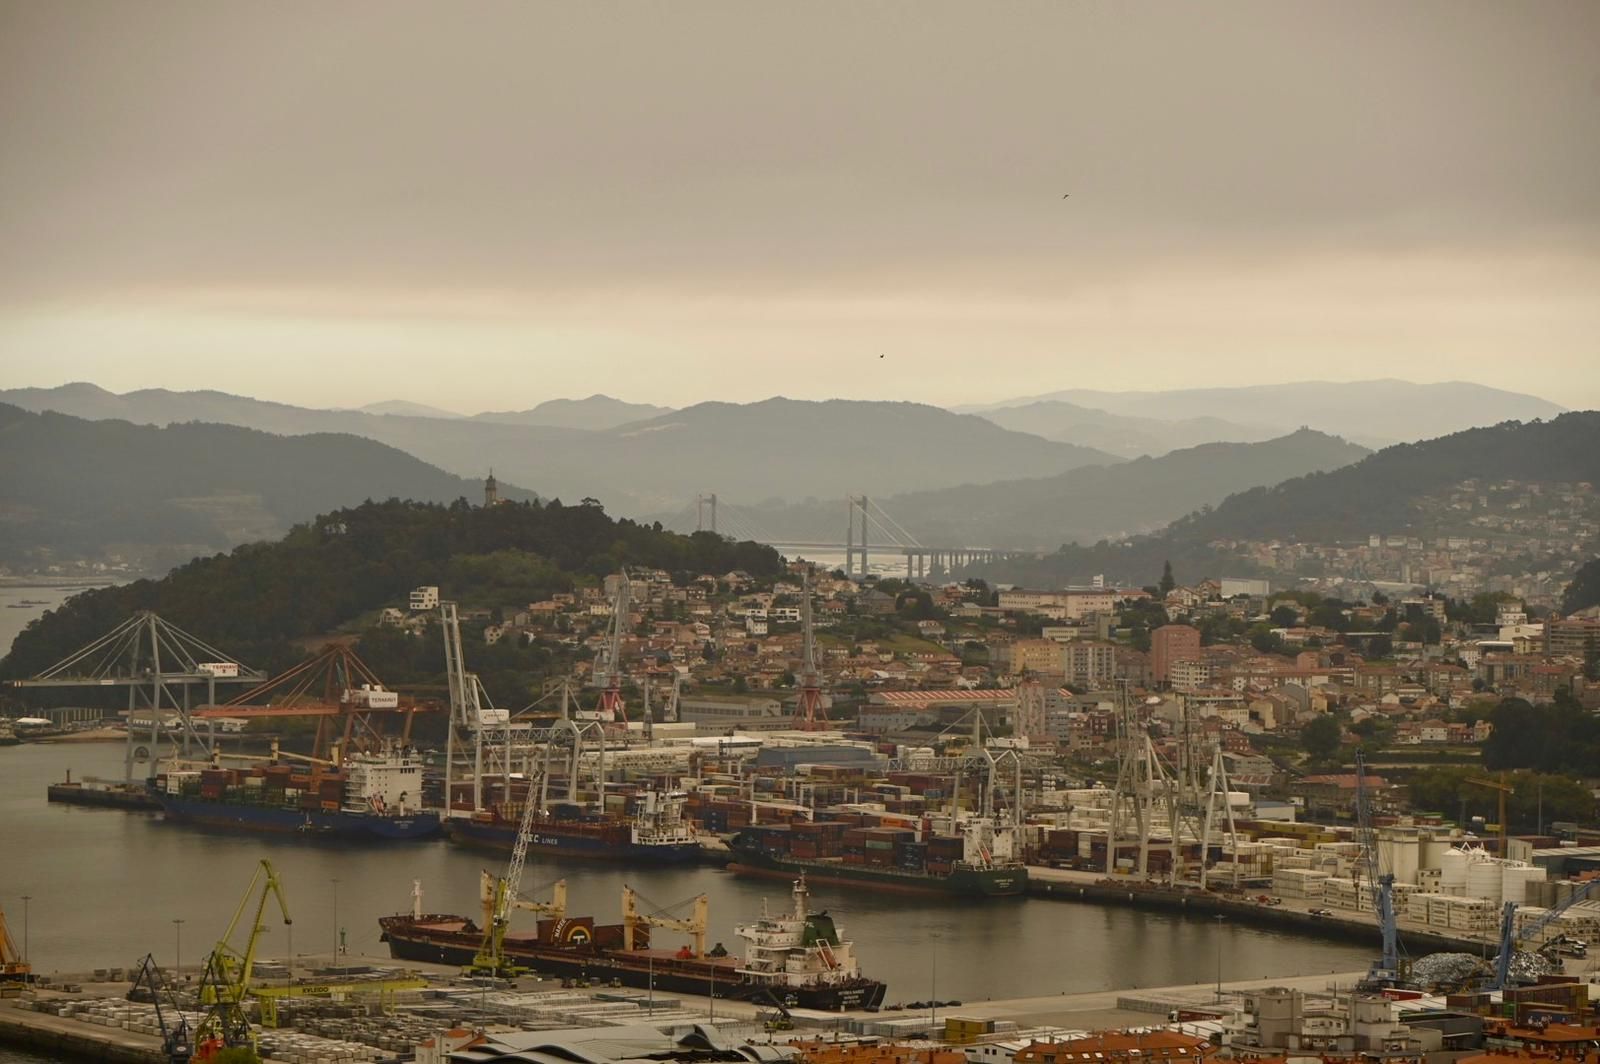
491, 491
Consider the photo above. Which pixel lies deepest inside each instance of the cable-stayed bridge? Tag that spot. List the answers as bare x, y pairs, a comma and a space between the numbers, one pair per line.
868, 531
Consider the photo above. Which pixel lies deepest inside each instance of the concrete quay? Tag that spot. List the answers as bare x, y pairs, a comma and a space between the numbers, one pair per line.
65, 1038
1293, 914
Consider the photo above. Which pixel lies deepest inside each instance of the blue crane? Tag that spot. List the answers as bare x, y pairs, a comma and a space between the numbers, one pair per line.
1385, 971
1509, 936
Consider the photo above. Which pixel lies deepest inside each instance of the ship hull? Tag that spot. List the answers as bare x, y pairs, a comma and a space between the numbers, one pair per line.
544, 839
961, 882
411, 943
311, 823
102, 797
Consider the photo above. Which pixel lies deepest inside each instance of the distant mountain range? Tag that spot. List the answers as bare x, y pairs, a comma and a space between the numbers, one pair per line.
1122, 434
1379, 494
595, 412
774, 449
1082, 505
1373, 413
74, 488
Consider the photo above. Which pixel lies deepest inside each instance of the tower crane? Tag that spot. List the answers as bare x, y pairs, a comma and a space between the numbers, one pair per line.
1385, 971
227, 976
1504, 788
694, 926
1510, 937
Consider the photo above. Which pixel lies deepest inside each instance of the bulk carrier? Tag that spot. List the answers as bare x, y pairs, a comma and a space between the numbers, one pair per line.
978, 861
797, 959
370, 796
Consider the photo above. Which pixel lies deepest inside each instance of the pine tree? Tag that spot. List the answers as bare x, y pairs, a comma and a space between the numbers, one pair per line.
1167, 581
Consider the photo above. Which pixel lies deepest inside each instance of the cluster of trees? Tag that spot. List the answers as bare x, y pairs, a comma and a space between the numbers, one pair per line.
1558, 736
254, 601
1536, 798
1584, 591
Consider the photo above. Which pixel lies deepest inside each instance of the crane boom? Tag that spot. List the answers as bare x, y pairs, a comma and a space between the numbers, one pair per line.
491, 956
1509, 936
1386, 970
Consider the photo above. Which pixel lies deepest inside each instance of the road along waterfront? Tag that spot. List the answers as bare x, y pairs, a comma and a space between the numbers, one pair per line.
106, 886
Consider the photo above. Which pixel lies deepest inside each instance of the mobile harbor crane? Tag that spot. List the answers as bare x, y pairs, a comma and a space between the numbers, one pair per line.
1510, 936
228, 971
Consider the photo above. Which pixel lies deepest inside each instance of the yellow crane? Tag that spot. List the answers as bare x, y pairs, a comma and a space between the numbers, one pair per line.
1504, 788
269, 996
633, 919
227, 975
499, 898
14, 967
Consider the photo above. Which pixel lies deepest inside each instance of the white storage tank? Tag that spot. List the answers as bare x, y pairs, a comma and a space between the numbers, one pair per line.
1453, 871
1514, 880
1400, 856
1484, 879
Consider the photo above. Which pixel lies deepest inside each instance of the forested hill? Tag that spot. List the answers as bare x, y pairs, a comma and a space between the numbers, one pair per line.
1383, 493
332, 570
154, 497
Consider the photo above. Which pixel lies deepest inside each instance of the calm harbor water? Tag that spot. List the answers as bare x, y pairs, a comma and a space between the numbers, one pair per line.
106, 886
21, 604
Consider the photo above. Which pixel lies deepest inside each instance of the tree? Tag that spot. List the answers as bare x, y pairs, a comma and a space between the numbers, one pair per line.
1321, 737
1168, 582
1584, 591
1284, 617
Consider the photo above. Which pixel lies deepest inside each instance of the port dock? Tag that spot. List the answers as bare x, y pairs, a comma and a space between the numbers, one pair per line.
1287, 914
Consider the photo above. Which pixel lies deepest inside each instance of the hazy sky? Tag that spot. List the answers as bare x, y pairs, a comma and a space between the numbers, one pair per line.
484, 205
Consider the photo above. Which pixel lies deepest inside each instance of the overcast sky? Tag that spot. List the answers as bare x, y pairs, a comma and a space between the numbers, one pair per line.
484, 205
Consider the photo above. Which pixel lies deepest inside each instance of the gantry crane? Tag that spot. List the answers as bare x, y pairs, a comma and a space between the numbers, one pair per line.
694, 926
227, 976
808, 709
607, 674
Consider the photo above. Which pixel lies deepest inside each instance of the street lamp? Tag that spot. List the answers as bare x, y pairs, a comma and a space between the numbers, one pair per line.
177, 945
26, 898
933, 987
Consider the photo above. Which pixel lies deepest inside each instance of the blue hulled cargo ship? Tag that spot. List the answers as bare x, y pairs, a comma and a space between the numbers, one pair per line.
369, 796
656, 833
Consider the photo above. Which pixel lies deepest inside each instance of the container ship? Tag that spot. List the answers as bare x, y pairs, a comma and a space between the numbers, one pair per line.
979, 861
369, 796
798, 959
655, 832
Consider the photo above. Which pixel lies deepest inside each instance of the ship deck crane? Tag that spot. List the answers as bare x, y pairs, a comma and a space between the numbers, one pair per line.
1385, 971
175, 1042
1509, 936
227, 976
694, 926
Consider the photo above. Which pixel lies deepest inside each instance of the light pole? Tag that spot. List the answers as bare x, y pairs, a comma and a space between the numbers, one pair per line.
1220, 918
933, 986
26, 898
335, 882
177, 946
